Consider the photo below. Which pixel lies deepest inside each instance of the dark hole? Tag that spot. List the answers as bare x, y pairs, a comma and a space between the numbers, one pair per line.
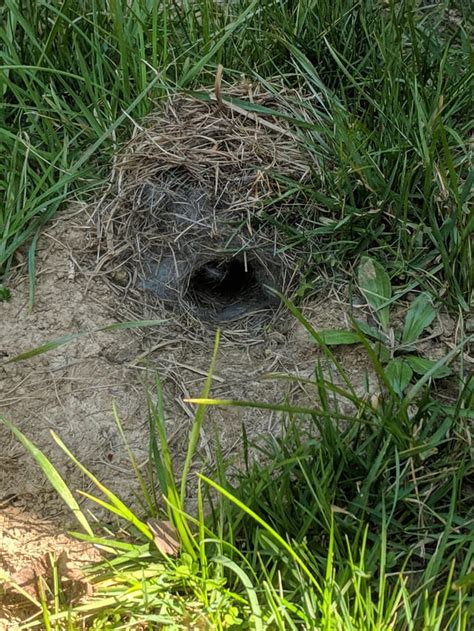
227, 288
224, 280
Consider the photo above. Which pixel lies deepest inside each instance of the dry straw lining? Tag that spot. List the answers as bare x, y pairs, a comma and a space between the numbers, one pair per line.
183, 222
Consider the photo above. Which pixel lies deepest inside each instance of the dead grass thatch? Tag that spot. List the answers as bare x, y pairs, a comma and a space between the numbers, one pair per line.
183, 221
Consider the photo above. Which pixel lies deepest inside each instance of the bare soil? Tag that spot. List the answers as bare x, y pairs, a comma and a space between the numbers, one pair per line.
72, 390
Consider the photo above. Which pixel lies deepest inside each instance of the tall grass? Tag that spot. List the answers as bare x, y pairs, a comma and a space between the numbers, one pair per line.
364, 523
389, 136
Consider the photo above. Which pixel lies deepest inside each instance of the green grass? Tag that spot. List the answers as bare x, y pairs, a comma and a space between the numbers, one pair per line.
371, 529
361, 520
389, 137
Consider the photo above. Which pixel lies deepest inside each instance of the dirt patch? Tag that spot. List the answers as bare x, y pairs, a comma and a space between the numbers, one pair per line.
72, 389
21, 571
56, 391
122, 258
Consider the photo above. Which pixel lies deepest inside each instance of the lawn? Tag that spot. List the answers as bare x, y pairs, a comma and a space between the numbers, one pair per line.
347, 521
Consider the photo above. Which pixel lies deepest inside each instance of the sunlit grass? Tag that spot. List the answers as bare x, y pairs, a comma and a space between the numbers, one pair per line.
387, 127
361, 520
357, 523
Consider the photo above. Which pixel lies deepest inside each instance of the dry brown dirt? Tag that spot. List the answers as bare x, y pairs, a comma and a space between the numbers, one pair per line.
72, 390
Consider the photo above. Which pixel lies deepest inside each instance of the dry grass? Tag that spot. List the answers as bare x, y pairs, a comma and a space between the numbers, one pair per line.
181, 222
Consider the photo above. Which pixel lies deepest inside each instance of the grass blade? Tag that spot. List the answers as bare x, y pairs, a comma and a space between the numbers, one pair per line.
374, 283
52, 475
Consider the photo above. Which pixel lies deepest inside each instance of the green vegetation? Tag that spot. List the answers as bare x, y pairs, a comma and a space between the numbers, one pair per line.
363, 519
395, 349
389, 138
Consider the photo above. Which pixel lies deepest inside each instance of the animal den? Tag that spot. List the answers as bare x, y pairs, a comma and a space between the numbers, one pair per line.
188, 233
185, 233
185, 225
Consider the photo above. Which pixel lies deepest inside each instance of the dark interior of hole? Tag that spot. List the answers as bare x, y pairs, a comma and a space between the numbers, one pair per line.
229, 288
223, 281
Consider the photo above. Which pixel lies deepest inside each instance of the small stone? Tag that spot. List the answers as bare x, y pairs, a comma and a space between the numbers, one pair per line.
469, 325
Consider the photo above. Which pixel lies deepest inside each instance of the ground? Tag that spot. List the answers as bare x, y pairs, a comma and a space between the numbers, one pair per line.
73, 388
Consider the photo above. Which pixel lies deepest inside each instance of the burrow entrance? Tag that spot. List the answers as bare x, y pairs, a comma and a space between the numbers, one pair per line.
224, 289
186, 227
